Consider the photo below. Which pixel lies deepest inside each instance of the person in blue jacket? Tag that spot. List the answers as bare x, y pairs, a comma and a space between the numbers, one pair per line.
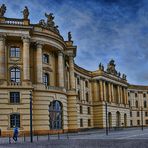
15, 134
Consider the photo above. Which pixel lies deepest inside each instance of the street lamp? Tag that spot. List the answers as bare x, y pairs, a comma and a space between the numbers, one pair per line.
31, 135
106, 118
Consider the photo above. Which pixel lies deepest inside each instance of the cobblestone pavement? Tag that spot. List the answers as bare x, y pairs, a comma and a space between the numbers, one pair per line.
127, 138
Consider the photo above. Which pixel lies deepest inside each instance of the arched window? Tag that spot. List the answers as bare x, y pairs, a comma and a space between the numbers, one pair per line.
15, 75
145, 104
14, 120
136, 104
55, 114
46, 79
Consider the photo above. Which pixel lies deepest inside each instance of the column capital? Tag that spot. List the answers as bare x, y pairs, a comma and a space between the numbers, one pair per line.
2, 36
26, 39
39, 44
60, 53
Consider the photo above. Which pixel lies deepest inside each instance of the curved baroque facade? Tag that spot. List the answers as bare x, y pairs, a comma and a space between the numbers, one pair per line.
35, 59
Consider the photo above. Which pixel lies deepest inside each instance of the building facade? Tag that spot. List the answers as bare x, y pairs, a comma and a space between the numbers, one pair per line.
36, 61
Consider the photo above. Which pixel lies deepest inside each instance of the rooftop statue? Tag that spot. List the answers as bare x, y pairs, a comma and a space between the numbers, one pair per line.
101, 67
2, 10
26, 12
69, 36
50, 23
50, 19
111, 67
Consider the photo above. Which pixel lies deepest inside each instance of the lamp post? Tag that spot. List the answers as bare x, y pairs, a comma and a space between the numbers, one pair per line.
106, 118
31, 135
141, 118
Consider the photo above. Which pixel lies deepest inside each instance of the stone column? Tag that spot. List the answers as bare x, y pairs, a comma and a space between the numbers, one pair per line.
104, 91
121, 95
60, 69
2, 58
125, 96
101, 90
109, 92
39, 66
118, 90
26, 59
95, 90
71, 71
112, 89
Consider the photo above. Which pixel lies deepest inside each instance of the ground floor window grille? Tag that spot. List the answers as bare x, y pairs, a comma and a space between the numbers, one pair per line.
14, 120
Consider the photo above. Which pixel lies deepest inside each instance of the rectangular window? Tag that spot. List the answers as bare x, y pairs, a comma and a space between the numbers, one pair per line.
78, 81
15, 120
45, 58
15, 52
89, 122
88, 110
81, 110
130, 114
14, 97
144, 95
145, 114
131, 122
138, 122
146, 121
136, 95
81, 122
137, 114
86, 84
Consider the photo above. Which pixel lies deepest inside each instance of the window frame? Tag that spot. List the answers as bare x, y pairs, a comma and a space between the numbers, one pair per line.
45, 58
46, 79
14, 99
15, 74
15, 52
15, 122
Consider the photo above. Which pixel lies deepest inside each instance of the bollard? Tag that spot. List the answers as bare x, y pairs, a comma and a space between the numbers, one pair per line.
37, 138
58, 135
48, 137
24, 138
9, 139
67, 136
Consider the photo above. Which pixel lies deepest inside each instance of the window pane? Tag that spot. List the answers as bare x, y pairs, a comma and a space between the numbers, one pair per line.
15, 52
15, 75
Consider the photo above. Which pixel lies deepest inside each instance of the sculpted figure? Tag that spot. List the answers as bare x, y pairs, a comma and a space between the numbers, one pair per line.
2, 10
69, 36
50, 18
26, 12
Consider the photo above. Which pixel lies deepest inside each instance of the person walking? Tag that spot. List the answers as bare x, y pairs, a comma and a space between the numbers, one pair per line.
15, 134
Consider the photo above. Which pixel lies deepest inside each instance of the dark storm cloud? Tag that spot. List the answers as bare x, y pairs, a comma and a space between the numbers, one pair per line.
102, 29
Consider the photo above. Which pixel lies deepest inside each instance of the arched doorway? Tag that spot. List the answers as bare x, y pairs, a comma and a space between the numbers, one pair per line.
110, 119
125, 120
55, 115
118, 119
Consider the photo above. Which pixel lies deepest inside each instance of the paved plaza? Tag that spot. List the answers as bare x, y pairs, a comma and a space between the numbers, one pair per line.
133, 137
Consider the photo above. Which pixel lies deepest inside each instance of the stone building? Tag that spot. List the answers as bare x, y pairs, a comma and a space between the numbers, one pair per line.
36, 60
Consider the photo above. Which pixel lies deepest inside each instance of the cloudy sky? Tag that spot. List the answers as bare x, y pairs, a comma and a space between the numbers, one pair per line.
101, 29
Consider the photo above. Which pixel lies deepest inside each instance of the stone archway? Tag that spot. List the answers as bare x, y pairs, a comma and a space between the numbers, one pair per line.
118, 119
125, 120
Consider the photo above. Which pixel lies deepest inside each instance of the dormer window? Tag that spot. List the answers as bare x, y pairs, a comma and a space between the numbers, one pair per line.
45, 58
14, 52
